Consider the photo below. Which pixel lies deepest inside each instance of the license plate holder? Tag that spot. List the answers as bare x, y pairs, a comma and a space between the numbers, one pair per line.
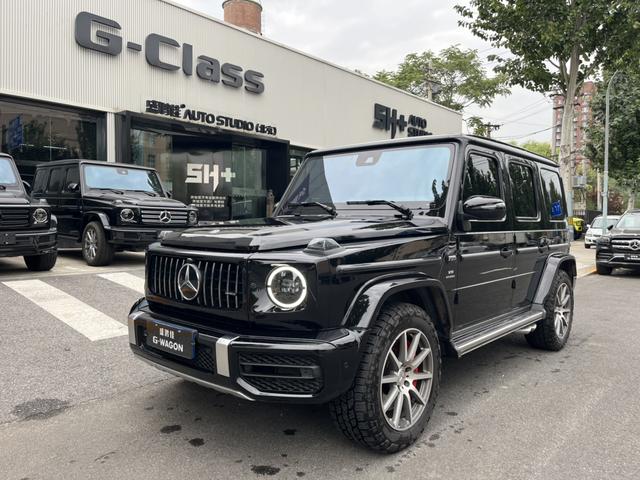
7, 238
173, 339
634, 257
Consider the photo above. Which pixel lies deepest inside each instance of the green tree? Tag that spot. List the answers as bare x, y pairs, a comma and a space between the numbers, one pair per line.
539, 148
454, 78
555, 45
624, 141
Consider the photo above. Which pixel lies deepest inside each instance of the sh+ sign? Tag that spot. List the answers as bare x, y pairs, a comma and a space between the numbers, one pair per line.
204, 175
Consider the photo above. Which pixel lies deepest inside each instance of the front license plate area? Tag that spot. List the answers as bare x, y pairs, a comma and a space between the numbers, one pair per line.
7, 238
172, 339
633, 257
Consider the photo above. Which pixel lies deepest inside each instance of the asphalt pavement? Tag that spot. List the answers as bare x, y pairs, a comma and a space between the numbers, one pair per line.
74, 404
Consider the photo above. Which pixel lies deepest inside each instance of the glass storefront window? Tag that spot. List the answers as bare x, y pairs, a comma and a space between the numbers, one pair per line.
224, 180
34, 134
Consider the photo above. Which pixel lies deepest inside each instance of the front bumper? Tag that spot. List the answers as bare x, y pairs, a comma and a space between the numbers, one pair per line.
617, 259
135, 238
264, 368
27, 242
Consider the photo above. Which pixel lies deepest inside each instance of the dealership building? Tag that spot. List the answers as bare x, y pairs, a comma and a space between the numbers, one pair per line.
224, 114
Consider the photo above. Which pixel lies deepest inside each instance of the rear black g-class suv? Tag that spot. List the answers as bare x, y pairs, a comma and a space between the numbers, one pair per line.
27, 228
108, 206
379, 259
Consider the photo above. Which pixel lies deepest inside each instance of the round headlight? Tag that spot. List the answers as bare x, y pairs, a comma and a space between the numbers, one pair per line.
127, 215
40, 215
286, 287
193, 217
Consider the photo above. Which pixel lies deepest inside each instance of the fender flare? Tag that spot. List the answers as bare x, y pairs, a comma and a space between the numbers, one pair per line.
372, 296
555, 262
91, 216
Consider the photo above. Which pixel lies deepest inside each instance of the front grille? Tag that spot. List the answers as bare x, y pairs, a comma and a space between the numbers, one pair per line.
627, 245
221, 283
151, 216
14, 217
281, 373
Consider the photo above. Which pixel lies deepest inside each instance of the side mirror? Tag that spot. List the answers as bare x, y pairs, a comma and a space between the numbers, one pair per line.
588, 226
485, 208
169, 194
73, 188
27, 187
610, 227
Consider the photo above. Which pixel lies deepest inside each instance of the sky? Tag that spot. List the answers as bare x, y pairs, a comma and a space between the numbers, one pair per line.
372, 35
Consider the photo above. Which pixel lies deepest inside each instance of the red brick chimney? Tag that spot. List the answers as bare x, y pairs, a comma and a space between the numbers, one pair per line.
244, 14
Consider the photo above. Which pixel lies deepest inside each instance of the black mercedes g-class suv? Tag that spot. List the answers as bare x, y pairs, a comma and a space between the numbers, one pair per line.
108, 207
27, 227
621, 246
379, 259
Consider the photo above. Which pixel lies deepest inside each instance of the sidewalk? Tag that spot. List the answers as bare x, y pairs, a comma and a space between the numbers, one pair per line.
585, 258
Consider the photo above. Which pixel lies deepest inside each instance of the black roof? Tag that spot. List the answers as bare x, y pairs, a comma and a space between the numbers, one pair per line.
74, 161
467, 139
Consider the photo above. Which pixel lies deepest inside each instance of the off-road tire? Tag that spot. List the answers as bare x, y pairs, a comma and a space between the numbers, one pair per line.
104, 251
603, 270
41, 263
358, 413
545, 336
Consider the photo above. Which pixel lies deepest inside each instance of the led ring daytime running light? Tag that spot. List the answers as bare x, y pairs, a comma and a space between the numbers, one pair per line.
297, 274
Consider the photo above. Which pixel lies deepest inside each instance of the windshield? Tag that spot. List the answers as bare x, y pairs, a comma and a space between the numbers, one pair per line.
118, 178
630, 220
597, 223
7, 173
415, 177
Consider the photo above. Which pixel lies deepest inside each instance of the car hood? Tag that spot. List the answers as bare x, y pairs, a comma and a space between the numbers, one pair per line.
134, 199
13, 198
271, 234
625, 232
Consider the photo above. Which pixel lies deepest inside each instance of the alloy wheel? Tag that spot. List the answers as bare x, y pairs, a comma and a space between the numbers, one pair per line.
91, 243
562, 310
407, 378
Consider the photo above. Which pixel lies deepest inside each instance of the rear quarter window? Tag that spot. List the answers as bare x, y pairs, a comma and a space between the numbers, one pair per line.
55, 180
40, 181
553, 195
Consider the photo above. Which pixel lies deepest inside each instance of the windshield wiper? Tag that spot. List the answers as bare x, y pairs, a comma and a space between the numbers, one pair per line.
151, 194
406, 212
119, 192
329, 209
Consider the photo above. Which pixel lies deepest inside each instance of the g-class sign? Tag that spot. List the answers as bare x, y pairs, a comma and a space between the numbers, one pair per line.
207, 68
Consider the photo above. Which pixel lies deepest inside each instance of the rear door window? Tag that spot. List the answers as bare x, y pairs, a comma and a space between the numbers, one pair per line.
554, 196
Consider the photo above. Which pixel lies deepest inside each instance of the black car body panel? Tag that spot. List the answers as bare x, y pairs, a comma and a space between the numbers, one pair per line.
472, 277
76, 207
20, 235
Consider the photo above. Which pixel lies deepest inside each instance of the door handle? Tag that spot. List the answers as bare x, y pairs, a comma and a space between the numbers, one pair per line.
506, 252
544, 242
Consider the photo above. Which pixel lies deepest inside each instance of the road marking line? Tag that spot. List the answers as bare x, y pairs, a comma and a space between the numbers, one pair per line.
126, 280
83, 318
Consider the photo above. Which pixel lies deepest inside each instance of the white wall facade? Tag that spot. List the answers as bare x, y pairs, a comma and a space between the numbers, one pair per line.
312, 103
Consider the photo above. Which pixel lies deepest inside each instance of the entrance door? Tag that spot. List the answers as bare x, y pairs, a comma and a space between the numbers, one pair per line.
486, 251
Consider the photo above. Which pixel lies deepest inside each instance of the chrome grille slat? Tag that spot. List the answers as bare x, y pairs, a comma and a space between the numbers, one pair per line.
151, 216
219, 282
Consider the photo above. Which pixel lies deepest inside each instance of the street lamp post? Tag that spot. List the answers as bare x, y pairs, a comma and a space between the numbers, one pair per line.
605, 189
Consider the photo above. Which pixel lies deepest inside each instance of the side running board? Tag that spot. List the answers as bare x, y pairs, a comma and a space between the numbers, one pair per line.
476, 336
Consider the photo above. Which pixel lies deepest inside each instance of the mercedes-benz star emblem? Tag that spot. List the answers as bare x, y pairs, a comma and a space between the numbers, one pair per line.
165, 216
634, 244
189, 281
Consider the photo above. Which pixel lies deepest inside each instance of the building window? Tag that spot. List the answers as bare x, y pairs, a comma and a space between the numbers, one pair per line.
36, 133
296, 156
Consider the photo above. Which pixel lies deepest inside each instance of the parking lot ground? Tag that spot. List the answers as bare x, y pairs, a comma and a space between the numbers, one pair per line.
73, 408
